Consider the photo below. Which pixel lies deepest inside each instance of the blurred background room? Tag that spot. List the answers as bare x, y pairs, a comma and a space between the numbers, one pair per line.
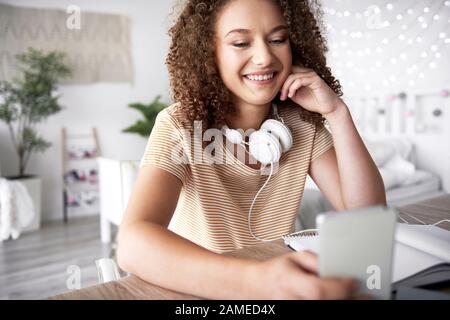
92, 78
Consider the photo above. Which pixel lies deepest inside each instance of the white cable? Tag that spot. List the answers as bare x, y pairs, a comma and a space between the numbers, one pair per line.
251, 207
432, 224
445, 220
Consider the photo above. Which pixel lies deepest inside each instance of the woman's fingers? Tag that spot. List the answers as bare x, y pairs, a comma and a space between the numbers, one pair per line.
307, 260
331, 288
298, 83
310, 286
290, 80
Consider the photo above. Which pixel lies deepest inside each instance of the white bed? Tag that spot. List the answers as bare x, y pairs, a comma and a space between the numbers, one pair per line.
404, 182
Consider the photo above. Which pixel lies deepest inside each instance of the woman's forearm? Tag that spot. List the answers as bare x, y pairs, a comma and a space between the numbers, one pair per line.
161, 257
361, 182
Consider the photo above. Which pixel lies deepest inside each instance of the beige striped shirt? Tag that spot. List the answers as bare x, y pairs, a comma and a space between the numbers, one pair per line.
214, 203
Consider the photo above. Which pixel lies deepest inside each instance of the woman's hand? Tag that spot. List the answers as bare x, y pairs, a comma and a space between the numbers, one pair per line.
307, 89
294, 276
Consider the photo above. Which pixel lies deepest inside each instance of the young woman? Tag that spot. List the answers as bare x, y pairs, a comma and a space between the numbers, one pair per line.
230, 62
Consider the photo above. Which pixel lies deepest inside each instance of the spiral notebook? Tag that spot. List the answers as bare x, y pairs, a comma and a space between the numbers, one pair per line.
421, 253
303, 241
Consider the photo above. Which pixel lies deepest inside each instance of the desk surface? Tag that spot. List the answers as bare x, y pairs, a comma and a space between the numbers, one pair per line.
132, 287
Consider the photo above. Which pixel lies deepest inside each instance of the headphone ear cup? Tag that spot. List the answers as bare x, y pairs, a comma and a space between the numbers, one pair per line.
264, 147
281, 131
233, 135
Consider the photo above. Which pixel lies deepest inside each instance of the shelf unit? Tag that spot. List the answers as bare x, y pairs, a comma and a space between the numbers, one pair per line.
80, 173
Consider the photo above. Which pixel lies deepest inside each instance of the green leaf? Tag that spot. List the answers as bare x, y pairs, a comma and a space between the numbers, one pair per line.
30, 100
150, 112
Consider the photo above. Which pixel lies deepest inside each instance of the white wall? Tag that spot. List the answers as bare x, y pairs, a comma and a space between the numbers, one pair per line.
103, 105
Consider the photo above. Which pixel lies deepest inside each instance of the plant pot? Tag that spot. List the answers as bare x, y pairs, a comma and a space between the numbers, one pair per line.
33, 184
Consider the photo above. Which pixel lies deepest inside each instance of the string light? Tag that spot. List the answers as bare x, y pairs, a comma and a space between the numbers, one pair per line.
415, 30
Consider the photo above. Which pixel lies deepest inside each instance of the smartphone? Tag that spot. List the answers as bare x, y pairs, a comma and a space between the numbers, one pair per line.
359, 244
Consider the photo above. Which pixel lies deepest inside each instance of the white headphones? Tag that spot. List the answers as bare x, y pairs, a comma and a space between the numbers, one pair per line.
265, 145
268, 143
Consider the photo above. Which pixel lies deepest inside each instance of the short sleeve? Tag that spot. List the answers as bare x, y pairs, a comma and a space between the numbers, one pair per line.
323, 142
165, 147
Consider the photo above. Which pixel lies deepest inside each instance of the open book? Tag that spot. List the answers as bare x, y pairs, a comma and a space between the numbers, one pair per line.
421, 253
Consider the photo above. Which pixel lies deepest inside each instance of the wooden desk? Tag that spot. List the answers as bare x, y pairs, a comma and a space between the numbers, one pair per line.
132, 287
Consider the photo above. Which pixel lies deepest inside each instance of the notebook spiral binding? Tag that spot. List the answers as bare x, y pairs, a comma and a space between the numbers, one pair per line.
302, 233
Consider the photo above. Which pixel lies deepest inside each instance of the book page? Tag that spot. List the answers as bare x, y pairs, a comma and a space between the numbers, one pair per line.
409, 261
431, 239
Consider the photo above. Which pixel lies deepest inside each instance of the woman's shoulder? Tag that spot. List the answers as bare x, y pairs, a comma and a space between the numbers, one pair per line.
173, 114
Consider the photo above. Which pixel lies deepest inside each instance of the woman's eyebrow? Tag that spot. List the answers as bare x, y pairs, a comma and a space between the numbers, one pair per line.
246, 31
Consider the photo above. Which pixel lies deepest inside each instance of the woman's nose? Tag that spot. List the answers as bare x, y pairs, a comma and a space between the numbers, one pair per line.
262, 55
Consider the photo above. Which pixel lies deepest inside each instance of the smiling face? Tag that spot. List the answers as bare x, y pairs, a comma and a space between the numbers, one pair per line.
253, 53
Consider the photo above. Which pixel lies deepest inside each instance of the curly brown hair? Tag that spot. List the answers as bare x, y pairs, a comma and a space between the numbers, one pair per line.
194, 77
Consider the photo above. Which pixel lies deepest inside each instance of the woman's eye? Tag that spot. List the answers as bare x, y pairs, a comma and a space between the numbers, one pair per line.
279, 41
240, 45
246, 44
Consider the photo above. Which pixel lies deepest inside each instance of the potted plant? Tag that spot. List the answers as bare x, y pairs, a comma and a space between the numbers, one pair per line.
149, 111
27, 101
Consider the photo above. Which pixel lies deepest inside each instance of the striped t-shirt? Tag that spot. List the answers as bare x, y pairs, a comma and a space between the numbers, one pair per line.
213, 206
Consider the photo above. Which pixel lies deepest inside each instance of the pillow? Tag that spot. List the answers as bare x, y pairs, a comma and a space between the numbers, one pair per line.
401, 168
390, 179
380, 151
418, 177
402, 146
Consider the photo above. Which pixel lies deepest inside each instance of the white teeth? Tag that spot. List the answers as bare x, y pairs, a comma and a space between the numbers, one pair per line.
260, 77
